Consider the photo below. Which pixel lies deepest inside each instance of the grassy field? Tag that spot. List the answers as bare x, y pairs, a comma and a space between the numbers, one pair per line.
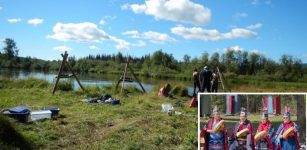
245, 85
137, 123
230, 122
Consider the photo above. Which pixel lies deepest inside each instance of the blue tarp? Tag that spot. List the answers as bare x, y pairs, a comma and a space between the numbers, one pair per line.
19, 109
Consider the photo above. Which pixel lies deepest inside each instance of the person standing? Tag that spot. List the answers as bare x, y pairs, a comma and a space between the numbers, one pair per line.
205, 79
196, 81
215, 82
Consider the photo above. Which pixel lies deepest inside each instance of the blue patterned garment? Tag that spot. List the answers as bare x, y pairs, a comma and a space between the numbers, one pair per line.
288, 144
216, 141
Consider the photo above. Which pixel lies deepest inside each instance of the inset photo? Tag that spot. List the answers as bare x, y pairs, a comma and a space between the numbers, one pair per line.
261, 121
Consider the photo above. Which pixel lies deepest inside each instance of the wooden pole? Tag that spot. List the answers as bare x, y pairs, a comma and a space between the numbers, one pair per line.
220, 75
73, 73
137, 79
60, 75
124, 77
117, 84
60, 71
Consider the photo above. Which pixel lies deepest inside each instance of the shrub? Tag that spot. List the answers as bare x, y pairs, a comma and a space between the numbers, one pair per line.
65, 85
179, 90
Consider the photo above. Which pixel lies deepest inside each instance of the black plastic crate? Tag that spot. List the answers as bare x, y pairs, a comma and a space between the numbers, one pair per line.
21, 117
54, 110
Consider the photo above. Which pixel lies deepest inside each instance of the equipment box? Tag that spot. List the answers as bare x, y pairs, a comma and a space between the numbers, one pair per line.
39, 115
21, 117
54, 110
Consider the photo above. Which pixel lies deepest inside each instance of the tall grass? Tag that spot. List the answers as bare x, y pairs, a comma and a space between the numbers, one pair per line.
23, 83
65, 85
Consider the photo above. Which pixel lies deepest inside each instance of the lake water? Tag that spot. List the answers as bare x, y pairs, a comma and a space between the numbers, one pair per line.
88, 79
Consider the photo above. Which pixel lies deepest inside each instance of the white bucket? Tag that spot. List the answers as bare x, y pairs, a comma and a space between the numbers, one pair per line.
167, 108
39, 115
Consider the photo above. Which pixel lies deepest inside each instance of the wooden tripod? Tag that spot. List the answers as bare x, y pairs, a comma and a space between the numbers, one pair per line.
61, 75
221, 76
124, 77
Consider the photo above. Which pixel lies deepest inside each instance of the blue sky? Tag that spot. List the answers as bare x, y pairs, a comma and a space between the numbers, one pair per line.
44, 28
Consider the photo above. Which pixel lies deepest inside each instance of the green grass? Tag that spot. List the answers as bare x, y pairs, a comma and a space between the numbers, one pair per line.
137, 123
252, 84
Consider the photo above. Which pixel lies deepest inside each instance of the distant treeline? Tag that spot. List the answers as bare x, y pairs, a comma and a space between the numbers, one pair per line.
163, 65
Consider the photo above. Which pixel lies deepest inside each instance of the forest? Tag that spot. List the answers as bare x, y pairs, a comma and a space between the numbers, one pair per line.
234, 64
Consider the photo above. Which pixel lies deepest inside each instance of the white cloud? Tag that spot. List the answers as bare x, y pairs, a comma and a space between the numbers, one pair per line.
158, 38
110, 17
14, 20
132, 34
139, 44
255, 51
125, 6
102, 22
121, 44
255, 2
241, 15
154, 37
78, 32
235, 48
35, 21
254, 26
258, 2
184, 11
268, 2
62, 48
124, 45
93, 47
197, 33
87, 32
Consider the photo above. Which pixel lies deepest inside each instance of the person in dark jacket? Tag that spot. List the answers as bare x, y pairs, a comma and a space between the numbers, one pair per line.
205, 79
214, 82
196, 80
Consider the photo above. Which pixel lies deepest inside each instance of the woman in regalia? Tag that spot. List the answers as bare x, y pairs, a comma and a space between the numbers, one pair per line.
287, 133
215, 133
265, 126
242, 134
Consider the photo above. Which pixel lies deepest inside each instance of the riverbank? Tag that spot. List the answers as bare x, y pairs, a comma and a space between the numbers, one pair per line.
137, 123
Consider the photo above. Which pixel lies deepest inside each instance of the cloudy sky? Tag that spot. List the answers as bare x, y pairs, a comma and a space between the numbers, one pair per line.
45, 28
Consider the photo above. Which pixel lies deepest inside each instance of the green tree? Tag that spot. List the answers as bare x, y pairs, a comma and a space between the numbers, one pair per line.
204, 59
215, 60
270, 66
230, 61
10, 49
119, 58
244, 63
186, 58
254, 59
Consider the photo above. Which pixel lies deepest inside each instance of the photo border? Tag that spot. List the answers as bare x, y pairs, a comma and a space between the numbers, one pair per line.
240, 93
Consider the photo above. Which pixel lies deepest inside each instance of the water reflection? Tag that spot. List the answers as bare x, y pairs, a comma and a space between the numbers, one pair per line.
88, 79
